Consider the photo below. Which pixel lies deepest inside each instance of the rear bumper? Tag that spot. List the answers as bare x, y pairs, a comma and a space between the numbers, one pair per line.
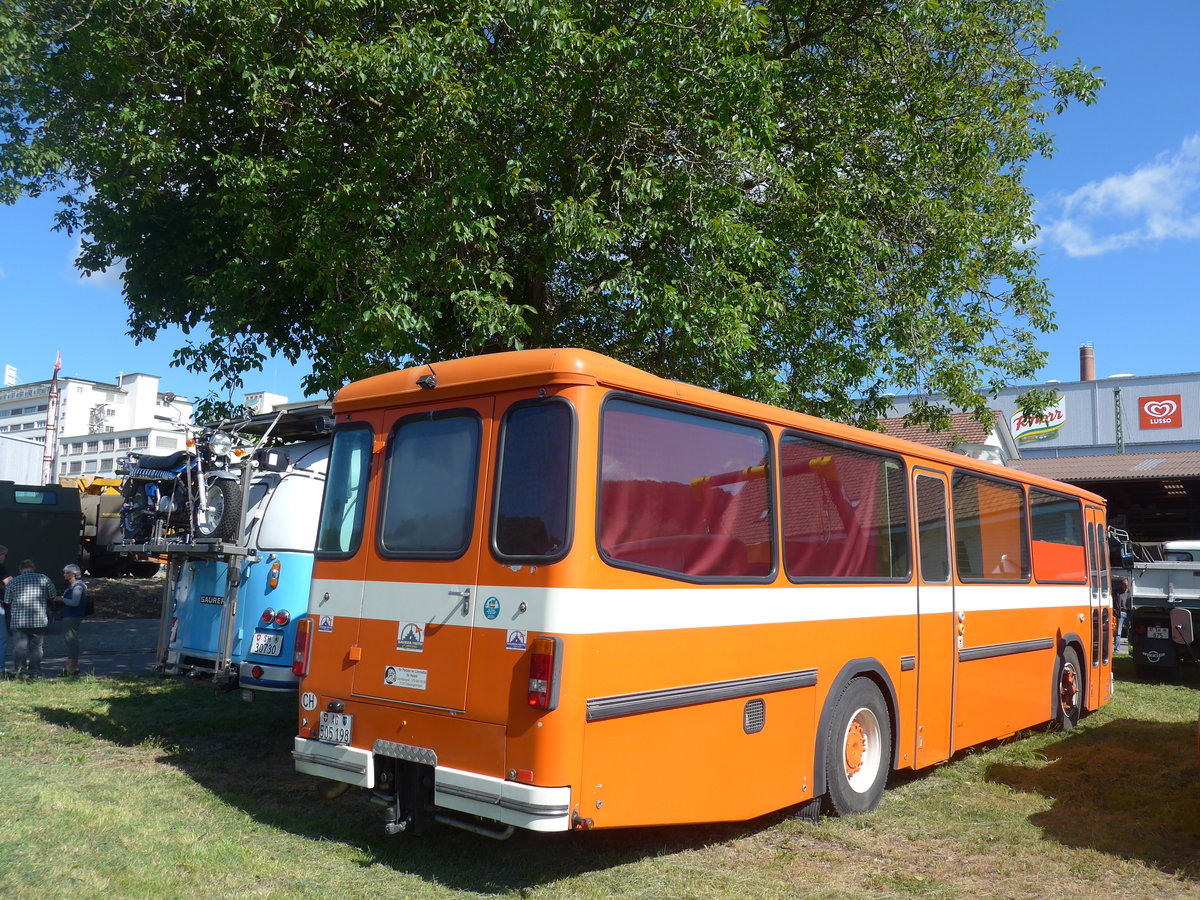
508, 802
273, 678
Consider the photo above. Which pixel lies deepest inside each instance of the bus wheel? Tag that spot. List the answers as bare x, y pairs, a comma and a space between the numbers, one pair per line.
1068, 690
858, 750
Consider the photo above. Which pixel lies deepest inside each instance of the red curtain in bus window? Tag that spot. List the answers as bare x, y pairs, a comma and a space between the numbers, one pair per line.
684, 493
835, 522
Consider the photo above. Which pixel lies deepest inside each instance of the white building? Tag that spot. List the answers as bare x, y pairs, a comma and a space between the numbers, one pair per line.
97, 421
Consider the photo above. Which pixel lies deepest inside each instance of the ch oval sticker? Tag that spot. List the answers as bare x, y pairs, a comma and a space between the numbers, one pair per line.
308, 701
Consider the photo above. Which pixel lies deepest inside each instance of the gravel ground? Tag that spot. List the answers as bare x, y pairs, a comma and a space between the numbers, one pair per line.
126, 598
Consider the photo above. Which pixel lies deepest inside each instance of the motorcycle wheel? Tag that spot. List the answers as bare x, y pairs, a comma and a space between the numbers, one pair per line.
223, 511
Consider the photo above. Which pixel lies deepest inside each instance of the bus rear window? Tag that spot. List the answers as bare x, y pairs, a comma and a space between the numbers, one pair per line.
684, 494
533, 502
345, 492
430, 485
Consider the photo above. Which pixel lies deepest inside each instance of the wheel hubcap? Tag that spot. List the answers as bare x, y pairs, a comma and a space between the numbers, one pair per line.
861, 749
1068, 689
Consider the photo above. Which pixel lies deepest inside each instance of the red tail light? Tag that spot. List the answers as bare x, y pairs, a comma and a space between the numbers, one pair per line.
268, 616
283, 617
545, 664
303, 645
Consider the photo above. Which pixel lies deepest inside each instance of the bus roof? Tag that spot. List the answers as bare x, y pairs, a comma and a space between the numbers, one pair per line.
536, 368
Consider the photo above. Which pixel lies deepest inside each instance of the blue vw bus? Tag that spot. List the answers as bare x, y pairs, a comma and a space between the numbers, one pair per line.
233, 606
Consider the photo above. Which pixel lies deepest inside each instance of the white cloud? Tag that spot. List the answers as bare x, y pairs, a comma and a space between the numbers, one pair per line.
109, 279
1159, 201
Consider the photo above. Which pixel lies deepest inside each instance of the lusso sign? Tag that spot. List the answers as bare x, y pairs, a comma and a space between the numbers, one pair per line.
1160, 412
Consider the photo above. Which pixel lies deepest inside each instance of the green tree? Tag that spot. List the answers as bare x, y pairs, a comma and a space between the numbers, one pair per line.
804, 202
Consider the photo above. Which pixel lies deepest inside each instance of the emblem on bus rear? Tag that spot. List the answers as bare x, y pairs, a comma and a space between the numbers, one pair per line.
411, 637
325, 626
517, 640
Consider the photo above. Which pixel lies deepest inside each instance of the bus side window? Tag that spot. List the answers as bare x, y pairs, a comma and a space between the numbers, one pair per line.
1057, 532
844, 511
684, 493
990, 530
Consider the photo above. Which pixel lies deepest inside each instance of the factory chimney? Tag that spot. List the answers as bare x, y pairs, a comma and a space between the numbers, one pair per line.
1087, 362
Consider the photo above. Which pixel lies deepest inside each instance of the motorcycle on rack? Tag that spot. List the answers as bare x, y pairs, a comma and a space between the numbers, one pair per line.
194, 491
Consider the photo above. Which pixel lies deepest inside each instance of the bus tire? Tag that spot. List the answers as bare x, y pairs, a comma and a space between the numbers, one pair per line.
858, 751
1068, 690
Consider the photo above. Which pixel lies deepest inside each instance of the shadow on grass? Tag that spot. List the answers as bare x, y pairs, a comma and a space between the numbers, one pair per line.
242, 753
1129, 787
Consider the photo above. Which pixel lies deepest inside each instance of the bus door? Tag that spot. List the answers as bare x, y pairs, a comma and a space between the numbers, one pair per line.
936, 643
421, 593
1100, 611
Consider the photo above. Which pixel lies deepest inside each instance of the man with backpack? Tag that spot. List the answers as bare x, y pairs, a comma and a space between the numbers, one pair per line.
74, 608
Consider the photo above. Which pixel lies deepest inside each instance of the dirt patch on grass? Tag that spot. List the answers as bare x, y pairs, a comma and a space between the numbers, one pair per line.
126, 598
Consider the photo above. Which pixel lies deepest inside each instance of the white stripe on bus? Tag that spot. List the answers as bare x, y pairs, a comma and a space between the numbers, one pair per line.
598, 611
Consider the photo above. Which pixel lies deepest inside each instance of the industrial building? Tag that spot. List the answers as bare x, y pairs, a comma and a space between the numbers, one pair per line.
1133, 439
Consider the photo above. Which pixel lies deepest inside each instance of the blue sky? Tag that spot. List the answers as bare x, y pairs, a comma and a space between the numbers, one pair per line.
1119, 206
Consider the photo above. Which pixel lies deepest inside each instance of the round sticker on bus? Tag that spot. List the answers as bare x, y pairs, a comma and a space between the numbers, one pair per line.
491, 607
308, 701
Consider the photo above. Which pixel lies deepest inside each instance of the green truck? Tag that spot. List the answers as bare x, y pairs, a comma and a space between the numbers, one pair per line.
43, 523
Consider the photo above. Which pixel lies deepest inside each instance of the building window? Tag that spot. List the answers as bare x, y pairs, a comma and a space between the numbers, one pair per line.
93, 446
89, 465
123, 443
141, 442
164, 442
110, 444
76, 467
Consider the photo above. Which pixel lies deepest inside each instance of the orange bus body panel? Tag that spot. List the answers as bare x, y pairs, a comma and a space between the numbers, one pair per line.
678, 699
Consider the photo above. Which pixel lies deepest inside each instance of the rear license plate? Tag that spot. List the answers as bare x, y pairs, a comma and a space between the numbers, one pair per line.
267, 644
1158, 631
336, 728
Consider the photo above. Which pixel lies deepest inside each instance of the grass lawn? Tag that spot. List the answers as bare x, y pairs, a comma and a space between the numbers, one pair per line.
161, 788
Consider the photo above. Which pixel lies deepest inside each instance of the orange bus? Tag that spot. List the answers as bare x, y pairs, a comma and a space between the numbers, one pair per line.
552, 591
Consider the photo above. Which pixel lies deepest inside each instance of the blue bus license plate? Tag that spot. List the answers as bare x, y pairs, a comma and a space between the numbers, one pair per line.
267, 644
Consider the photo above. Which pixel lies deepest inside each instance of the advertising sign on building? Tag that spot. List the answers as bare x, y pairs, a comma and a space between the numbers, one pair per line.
1160, 412
1039, 428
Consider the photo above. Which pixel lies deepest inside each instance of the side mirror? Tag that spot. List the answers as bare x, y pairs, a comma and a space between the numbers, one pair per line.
1181, 626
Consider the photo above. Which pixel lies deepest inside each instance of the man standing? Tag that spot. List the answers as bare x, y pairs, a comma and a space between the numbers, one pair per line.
29, 596
74, 608
5, 628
